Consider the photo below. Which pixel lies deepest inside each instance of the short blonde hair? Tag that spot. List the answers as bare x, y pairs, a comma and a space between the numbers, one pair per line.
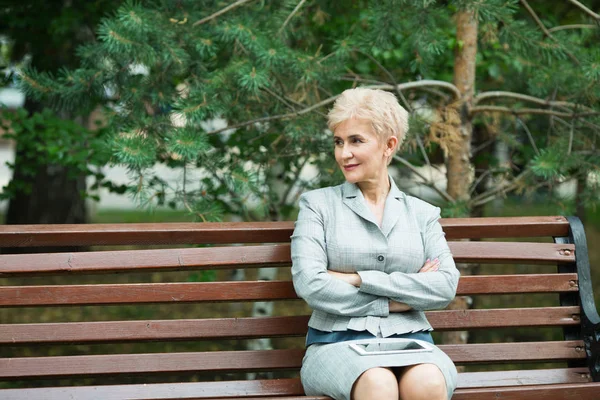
387, 117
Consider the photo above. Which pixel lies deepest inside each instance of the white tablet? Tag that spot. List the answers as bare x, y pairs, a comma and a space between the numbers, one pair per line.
390, 346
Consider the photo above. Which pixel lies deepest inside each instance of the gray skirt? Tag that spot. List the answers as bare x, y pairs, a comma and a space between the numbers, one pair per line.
330, 369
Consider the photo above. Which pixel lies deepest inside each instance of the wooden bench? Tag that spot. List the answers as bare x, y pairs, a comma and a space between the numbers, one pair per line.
117, 322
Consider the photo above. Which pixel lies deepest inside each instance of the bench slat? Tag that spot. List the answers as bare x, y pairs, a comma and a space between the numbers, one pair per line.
145, 260
277, 387
579, 391
139, 293
187, 390
245, 328
505, 227
503, 318
509, 284
251, 257
73, 366
512, 253
523, 377
255, 232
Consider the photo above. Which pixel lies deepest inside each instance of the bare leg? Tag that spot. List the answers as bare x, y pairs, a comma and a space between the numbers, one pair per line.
376, 383
422, 382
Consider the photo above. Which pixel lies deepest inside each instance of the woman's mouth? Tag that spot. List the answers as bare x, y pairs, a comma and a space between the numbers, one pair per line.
350, 167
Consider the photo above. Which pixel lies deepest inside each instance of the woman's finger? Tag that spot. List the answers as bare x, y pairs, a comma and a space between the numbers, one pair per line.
430, 265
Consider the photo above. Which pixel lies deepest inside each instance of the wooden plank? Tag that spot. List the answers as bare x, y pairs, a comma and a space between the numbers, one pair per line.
572, 391
251, 257
246, 328
155, 363
510, 284
247, 232
139, 293
475, 353
503, 318
145, 260
151, 330
512, 252
287, 387
180, 390
145, 234
523, 377
192, 362
504, 227
144, 293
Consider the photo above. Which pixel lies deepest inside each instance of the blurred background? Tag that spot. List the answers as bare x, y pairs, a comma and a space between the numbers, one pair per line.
179, 111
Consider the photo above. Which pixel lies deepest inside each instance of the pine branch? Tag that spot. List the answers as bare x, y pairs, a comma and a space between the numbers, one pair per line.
536, 19
551, 103
571, 132
293, 183
585, 9
503, 188
426, 181
221, 12
518, 111
401, 95
529, 135
574, 26
280, 116
288, 19
420, 84
478, 181
403, 86
595, 128
545, 30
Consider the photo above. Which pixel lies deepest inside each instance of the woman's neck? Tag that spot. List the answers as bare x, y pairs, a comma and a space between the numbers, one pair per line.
376, 191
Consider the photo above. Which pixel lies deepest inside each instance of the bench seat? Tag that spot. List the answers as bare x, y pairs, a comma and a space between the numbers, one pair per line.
65, 332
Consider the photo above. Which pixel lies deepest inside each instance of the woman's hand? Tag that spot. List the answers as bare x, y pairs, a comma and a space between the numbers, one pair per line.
354, 280
429, 266
351, 278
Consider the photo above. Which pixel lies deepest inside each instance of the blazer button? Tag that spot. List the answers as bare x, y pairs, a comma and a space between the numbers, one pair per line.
380, 258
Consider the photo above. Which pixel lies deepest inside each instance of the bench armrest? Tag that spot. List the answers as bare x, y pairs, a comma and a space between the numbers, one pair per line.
590, 320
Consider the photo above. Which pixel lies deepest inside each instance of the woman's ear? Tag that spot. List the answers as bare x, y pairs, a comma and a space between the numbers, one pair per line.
390, 145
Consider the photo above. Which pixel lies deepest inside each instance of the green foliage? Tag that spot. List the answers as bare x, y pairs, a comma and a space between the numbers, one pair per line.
166, 71
45, 140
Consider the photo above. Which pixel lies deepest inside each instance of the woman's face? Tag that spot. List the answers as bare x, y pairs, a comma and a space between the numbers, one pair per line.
359, 151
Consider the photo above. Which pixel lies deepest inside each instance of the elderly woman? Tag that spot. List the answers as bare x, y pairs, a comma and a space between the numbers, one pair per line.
368, 259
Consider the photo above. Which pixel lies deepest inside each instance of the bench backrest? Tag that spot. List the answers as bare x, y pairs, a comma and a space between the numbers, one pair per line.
116, 313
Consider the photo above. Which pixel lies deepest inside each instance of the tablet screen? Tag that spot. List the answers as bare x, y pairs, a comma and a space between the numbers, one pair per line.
390, 346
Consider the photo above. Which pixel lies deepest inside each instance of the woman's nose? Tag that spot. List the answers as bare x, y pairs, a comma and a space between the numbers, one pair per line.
346, 153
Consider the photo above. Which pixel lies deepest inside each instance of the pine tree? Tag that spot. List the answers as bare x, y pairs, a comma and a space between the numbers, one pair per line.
492, 72
49, 174
271, 69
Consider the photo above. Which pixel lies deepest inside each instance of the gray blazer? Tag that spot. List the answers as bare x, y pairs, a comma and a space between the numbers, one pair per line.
335, 230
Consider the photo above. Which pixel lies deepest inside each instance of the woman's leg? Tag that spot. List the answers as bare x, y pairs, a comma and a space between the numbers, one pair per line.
422, 382
376, 383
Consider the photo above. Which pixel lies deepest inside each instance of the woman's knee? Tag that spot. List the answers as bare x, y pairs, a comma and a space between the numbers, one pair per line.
376, 383
422, 382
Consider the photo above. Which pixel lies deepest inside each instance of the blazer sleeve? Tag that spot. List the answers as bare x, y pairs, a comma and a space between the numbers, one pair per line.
421, 291
309, 271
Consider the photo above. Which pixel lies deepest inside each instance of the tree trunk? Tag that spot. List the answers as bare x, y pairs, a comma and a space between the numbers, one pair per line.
459, 159
459, 169
55, 197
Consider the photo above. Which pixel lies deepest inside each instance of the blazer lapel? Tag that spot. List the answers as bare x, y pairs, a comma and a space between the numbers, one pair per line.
353, 198
393, 208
